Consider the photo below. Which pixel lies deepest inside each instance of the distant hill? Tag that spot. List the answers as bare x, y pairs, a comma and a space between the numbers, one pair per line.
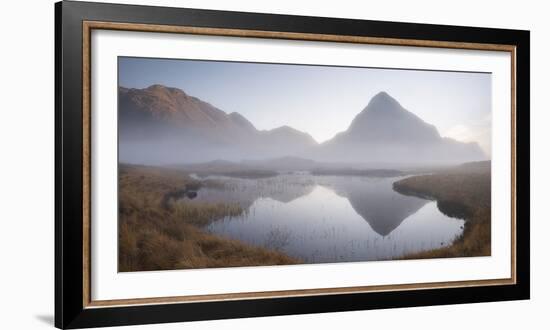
386, 132
163, 125
284, 164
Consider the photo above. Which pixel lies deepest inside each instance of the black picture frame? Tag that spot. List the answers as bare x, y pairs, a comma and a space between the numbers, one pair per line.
70, 309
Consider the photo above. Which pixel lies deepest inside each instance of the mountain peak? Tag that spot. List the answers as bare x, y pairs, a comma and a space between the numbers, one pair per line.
156, 87
284, 128
382, 94
385, 119
241, 121
383, 102
287, 133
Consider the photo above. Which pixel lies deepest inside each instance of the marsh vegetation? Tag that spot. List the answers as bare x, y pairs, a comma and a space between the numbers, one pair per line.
462, 192
173, 219
159, 233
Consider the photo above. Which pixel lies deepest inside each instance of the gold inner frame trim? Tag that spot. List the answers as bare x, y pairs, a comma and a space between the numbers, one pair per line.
88, 26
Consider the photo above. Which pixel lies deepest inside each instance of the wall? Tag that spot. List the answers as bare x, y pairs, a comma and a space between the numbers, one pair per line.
26, 175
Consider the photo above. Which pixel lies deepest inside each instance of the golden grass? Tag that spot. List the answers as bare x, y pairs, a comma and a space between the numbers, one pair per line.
463, 192
157, 233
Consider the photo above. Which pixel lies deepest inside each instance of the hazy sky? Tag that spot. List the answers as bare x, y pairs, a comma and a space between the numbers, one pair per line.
323, 100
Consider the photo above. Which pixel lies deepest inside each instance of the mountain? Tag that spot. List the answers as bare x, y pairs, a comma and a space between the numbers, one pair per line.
159, 124
385, 132
385, 120
284, 141
157, 109
163, 125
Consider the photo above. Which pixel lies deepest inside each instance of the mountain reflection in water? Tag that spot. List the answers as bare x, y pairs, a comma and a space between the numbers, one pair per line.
330, 218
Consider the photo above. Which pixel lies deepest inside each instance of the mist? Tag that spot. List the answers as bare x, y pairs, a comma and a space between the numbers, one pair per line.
161, 125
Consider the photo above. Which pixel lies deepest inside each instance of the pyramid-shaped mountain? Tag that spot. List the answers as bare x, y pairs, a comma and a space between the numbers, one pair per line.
386, 132
384, 119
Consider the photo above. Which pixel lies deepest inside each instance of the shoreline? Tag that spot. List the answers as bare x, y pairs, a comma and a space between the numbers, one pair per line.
155, 233
461, 194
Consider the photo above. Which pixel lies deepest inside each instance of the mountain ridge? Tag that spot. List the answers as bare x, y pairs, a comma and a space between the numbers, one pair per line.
160, 117
166, 121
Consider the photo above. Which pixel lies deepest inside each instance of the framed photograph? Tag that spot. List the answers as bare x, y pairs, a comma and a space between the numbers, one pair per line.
215, 164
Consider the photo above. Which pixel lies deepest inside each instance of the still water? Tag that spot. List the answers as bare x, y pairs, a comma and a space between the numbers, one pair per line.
330, 218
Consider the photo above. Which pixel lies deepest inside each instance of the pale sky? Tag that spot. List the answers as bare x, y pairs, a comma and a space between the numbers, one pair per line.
323, 100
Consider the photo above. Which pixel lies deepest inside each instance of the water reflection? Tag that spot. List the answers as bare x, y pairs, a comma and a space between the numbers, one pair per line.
330, 219
375, 200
